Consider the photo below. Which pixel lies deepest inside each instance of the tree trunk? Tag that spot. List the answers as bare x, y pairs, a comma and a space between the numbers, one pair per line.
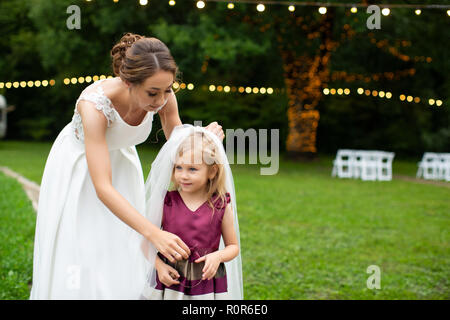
305, 76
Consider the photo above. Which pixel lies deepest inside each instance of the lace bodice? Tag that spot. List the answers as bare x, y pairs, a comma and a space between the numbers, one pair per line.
101, 102
119, 134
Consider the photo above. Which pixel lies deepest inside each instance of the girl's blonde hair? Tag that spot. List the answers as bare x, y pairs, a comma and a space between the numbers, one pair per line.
199, 141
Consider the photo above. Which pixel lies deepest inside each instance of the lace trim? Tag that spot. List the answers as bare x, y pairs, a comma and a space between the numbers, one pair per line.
102, 103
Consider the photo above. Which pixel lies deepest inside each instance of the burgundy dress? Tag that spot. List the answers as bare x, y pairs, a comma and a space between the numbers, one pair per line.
201, 231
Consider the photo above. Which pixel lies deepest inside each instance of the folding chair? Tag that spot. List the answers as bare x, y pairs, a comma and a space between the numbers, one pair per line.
444, 166
342, 165
369, 165
384, 165
429, 166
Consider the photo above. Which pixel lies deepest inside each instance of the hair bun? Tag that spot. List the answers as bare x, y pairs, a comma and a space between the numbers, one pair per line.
119, 50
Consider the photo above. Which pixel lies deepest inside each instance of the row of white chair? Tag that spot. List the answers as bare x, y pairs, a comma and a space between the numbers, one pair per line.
364, 164
434, 166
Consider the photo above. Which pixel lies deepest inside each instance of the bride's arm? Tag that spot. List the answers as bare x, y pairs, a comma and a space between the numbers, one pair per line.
99, 165
170, 119
169, 116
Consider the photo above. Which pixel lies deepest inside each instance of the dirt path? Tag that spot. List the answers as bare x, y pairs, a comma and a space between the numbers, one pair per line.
421, 181
31, 188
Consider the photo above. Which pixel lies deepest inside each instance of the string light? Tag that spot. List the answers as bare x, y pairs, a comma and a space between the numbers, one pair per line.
143, 2
380, 94
230, 6
291, 8
385, 11
340, 4
354, 10
418, 12
172, 3
200, 4
322, 10
220, 88
260, 7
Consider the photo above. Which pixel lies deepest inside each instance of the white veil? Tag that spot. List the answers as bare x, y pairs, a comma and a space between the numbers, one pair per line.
156, 188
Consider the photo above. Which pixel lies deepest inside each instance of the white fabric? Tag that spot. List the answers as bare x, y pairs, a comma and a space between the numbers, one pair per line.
157, 185
82, 250
169, 294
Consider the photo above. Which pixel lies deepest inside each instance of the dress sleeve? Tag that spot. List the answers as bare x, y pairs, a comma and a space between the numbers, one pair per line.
168, 199
101, 103
219, 204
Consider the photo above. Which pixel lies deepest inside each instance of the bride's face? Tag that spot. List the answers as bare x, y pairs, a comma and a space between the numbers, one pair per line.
154, 92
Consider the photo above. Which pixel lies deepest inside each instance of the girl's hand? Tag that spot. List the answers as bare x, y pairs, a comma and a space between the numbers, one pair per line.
212, 262
166, 274
215, 128
170, 245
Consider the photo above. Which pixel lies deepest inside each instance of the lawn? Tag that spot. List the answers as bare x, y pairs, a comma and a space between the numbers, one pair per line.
17, 223
304, 235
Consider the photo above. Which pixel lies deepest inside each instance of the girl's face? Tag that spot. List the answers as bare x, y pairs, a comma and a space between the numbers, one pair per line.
191, 176
154, 92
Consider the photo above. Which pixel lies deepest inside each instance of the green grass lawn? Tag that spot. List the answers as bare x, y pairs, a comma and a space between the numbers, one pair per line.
17, 223
304, 234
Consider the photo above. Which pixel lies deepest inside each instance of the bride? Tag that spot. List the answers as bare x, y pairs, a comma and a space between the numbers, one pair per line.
92, 198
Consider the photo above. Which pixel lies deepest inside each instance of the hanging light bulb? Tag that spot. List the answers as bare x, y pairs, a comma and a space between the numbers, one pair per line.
385, 11
260, 7
172, 3
354, 10
291, 8
143, 2
200, 4
418, 12
230, 6
322, 10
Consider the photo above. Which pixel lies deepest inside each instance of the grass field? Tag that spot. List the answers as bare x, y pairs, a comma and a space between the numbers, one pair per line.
304, 235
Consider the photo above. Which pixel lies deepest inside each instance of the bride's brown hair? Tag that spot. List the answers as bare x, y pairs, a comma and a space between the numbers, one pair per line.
135, 58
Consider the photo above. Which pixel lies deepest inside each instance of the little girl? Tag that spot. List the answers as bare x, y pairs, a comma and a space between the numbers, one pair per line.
198, 210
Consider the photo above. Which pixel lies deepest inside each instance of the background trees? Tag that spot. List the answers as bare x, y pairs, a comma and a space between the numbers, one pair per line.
298, 54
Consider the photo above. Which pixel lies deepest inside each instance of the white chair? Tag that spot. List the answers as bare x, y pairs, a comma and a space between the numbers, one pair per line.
369, 162
342, 165
429, 166
384, 165
357, 164
443, 166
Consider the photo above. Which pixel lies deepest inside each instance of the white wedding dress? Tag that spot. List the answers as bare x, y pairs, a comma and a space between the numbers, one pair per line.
82, 250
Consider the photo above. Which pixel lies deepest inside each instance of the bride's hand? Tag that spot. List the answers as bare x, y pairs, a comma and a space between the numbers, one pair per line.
215, 128
166, 274
170, 245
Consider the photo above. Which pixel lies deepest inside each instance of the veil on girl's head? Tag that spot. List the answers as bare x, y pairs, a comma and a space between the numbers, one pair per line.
156, 188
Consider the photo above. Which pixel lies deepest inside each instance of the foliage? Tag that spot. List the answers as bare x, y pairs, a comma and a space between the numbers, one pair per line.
237, 48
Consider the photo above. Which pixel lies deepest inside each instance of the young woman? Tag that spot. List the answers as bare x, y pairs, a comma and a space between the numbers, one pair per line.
92, 189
